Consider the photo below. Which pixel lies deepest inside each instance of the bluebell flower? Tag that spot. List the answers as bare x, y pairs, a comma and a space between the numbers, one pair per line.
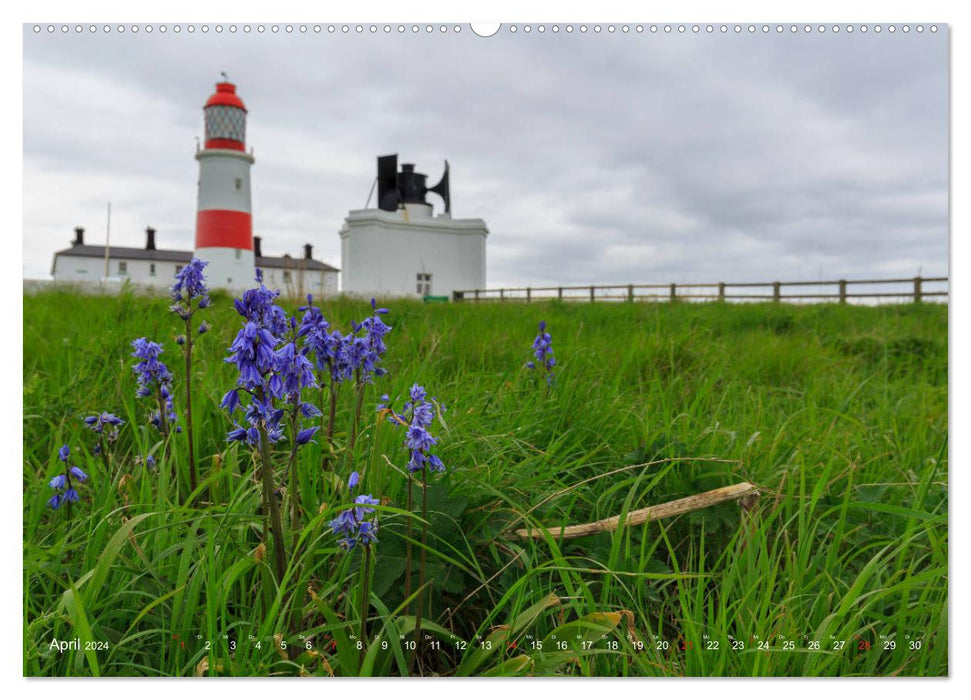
270, 366
258, 306
98, 423
295, 371
351, 523
62, 482
543, 351
417, 415
370, 351
304, 436
230, 401
154, 376
190, 283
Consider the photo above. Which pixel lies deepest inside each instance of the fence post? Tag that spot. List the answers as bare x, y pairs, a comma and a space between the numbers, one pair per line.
591, 292
476, 294
630, 292
529, 294
721, 291
502, 294
842, 291
776, 292
457, 295
559, 292
918, 292
674, 292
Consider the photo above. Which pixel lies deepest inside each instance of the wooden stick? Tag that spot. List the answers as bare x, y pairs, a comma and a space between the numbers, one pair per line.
744, 490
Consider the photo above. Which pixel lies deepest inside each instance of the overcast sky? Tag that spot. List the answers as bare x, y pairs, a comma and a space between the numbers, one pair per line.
593, 158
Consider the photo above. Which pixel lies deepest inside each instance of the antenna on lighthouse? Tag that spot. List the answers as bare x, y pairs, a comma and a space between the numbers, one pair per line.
225, 77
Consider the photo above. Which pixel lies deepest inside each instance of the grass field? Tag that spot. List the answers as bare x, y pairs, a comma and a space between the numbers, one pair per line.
838, 414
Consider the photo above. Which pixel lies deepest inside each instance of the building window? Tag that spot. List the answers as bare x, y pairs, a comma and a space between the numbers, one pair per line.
178, 268
122, 267
239, 254
151, 269
239, 183
424, 286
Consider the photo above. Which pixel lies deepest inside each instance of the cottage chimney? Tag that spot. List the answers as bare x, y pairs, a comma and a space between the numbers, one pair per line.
257, 250
78, 236
307, 251
149, 238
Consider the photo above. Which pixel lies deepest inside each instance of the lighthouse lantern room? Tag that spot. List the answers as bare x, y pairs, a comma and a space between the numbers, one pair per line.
224, 222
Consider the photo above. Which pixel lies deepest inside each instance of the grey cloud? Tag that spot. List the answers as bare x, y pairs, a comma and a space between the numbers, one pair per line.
593, 159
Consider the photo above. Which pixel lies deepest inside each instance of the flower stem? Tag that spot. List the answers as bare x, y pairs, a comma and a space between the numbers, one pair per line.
421, 565
188, 404
357, 417
331, 421
293, 481
409, 506
104, 456
276, 521
365, 586
163, 428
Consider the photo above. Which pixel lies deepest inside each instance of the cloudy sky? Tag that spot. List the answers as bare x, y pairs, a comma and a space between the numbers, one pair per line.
593, 158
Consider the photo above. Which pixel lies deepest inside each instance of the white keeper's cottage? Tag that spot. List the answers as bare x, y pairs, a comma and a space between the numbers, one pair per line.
402, 248
155, 268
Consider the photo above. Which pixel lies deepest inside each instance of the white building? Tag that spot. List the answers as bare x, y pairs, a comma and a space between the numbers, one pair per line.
154, 268
402, 249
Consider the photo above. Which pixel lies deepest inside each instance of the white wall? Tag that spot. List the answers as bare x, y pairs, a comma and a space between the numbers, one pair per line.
383, 252
299, 283
219, 172
71, 268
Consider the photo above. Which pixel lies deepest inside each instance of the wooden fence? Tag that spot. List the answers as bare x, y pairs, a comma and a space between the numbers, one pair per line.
906, 289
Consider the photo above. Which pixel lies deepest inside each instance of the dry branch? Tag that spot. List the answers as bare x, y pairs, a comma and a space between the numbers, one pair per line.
736, 492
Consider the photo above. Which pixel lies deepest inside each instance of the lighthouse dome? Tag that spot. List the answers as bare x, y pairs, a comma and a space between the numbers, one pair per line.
225, 118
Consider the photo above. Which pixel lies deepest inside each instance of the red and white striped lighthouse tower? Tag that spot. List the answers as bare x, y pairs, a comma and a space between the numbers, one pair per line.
224, 222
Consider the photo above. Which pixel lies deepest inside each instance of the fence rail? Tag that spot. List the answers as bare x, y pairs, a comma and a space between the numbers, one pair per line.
914, 290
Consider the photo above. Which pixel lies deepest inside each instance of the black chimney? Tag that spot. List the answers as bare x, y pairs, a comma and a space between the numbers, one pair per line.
78, 236
307, 250
257, 251
149, 238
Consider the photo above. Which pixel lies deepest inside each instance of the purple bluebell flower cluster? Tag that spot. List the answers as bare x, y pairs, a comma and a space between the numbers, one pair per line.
154, 379
270, 367
65, 491
351, 523
543, 350
345, 356
369, 349
97, 424
190, 284
417, 416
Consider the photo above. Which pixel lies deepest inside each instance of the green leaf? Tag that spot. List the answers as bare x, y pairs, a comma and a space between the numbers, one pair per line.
79, 621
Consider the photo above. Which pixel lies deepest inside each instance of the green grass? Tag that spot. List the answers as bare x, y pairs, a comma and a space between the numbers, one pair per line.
837, 413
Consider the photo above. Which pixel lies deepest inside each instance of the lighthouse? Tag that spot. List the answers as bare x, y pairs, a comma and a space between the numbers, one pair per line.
224, 223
